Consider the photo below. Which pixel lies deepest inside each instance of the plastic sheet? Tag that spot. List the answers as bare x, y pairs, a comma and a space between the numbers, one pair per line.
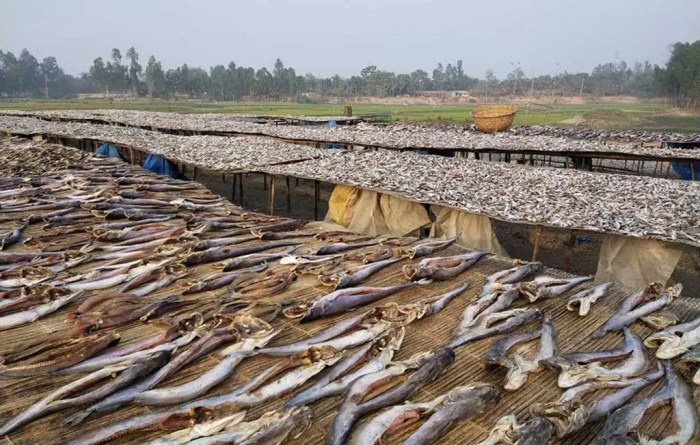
372, 213
635, 262
476, 231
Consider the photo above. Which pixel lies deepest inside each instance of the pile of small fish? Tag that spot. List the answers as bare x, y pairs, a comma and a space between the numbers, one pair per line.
20, 157
604, 135
208, 152
393, 136
94, 251
626, 205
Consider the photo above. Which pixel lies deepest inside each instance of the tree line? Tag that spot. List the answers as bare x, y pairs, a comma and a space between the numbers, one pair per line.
25, 76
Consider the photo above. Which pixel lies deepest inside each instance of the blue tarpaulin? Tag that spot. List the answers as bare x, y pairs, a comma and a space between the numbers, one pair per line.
683, 169
108, 150
158, 164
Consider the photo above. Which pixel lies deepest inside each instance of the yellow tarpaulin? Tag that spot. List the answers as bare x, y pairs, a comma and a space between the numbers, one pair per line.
476, 231
372, 213
635, 262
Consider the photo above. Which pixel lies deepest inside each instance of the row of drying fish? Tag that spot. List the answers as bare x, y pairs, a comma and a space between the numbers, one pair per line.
398, 135
604, 135
211, 152
634, 206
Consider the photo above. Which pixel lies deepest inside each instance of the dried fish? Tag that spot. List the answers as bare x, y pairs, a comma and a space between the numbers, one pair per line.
631, 309
573, 372
340, 301
430, 365
370, 256
675, 340
223, 253
692, 356
518, 365
36, 312
206, 429
548, 287
344, 247
495, 281
377, 354
67, 354
442, 268
587, 298
459, 405
219, 280
487, 325
270, 284
59, 399
675, 391
354, 276
12, 237
428, 247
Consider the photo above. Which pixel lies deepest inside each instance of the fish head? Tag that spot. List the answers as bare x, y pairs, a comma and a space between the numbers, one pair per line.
251, 327
336, 280
530, 289
321, 354
671, 346
299, 416
391, 339
575, 374
415, 272
582, 304
566, 417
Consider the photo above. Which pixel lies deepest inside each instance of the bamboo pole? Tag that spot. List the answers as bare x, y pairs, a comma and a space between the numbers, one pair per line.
271, 196
536, 247
240, 188
568, 253
289, 194
317, 198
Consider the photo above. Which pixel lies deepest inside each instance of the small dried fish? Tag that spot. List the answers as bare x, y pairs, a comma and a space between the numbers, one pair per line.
12, 237
270, 284
223, 253
396, 417
36, 312
587, 298
219, 280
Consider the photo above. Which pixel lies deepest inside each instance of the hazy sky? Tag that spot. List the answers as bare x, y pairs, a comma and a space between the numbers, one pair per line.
324, 37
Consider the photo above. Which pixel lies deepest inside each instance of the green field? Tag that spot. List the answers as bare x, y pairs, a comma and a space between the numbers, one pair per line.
640, 116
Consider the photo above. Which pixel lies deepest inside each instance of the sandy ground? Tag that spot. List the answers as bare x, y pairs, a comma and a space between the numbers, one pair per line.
517, 239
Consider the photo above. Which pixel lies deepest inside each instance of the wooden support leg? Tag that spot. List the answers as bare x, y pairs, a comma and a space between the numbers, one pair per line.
223, 177
536, 247
233, 186
297, 182
289, 194
569, 251
264, 182
271, 196
240, 188
317, 198
194, 173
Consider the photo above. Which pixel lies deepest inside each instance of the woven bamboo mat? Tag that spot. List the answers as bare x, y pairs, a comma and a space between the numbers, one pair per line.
573, 333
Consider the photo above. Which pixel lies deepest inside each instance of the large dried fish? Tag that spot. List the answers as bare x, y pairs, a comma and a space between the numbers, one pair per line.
632, 308
340, 301
376, 354
60, 399
354, 276
223, 253
675, 391
548, 287
487, 325
576, 370
692, 356
675, 340
495, 281
442, 268
518, 364
343, 247
427, 247
430, 365
36, 312
586, 298
459, 405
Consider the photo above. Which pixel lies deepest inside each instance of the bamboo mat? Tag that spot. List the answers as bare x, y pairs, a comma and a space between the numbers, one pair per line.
573, 334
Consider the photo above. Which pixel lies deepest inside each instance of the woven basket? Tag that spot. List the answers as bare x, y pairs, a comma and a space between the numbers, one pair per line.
493, 118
